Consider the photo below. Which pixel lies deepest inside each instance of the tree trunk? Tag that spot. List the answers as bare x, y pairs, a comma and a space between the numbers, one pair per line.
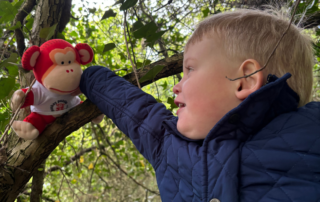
26, 157
48, 13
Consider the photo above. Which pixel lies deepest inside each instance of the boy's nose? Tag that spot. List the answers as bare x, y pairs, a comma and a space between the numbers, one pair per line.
176, 89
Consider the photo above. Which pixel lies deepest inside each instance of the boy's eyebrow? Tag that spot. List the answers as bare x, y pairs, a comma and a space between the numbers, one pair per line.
190, 58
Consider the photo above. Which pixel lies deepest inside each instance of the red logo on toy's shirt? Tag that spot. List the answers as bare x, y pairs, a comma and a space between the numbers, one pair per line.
59, 105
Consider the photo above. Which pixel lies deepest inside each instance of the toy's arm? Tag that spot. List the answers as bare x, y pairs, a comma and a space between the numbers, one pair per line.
136, 113
18, 97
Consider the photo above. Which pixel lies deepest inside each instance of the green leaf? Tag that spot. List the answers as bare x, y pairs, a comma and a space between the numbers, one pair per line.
205, 12
128, 4
154, 37
92, 10
18, 4
18, 25
7, 11
136, 25
29, 23
164, 85
158, 100
13, 70
60, 36
109, 13
151, 73
118, 2
40, 169
170, 101
145, 31
48, 32
74, 34
108, 47
6, 86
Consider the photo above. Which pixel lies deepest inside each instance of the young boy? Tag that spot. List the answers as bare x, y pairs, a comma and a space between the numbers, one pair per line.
243, 140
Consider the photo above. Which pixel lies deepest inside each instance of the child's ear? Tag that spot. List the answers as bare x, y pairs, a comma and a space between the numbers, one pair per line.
248, 85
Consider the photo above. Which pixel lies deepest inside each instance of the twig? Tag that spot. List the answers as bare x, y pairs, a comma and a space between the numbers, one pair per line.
275, 48
4, 50
128, 51
154, 192
17, 112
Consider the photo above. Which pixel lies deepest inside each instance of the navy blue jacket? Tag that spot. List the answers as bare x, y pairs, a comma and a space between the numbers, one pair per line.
266, 149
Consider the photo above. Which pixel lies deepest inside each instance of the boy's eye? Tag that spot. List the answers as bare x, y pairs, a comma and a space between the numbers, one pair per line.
190, 69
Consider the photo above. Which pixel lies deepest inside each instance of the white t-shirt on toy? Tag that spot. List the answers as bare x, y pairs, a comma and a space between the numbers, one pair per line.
48, 103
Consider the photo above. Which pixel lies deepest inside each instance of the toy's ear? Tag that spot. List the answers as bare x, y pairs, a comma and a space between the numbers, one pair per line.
85, 52
29, 57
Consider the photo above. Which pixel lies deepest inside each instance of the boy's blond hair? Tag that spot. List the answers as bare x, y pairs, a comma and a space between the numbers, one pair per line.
253, 34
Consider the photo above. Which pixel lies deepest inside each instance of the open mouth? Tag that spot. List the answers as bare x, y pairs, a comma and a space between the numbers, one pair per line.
61, 91
179, 104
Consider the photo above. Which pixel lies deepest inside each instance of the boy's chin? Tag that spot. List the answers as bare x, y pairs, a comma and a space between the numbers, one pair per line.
193, 135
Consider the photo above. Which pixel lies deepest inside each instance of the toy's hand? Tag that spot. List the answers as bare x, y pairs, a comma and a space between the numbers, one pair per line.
98, 119
17, 99
76, 92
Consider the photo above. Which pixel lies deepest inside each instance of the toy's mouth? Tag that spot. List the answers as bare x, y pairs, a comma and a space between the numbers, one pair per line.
61, 91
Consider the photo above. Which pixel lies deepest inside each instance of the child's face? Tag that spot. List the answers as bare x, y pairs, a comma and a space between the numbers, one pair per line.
204, 92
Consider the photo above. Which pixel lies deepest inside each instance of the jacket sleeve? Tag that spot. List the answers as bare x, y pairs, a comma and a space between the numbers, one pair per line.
136, 113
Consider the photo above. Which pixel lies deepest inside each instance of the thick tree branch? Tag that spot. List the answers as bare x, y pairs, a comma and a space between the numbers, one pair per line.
25, 9
30, 154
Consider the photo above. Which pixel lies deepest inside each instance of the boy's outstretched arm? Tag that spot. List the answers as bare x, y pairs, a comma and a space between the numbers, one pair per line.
136, 113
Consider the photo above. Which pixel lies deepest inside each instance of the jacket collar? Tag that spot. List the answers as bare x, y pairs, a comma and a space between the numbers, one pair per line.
257, 110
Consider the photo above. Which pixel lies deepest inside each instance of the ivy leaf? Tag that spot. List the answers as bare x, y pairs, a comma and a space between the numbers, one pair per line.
145, 31
6, 86
128, 4
108, 47
18, 25
109, 13
48, 32
151, 73
170, 101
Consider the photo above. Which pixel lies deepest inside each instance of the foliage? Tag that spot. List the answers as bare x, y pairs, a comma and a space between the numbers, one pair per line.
156, 29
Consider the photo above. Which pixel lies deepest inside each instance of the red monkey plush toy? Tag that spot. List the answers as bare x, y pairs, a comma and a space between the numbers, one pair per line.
56, 66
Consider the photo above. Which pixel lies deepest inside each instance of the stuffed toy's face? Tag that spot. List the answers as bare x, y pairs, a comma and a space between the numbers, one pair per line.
56, 64
63, 77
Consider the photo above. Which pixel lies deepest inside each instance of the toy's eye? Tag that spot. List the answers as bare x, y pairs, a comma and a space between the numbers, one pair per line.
69, 62
62, 62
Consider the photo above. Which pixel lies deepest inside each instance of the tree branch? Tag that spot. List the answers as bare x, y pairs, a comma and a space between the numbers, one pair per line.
29, 155
25, 9
72, 159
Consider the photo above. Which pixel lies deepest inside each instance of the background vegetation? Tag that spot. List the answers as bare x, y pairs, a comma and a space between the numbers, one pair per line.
98, 162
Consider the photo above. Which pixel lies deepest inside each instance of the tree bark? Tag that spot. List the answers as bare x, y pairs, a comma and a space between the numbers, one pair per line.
37, 183
26, 157
47, 14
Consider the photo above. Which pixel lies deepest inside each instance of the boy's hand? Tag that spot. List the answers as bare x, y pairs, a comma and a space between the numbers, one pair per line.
76, 92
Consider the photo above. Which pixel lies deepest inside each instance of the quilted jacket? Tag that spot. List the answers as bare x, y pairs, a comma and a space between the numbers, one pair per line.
266, 149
